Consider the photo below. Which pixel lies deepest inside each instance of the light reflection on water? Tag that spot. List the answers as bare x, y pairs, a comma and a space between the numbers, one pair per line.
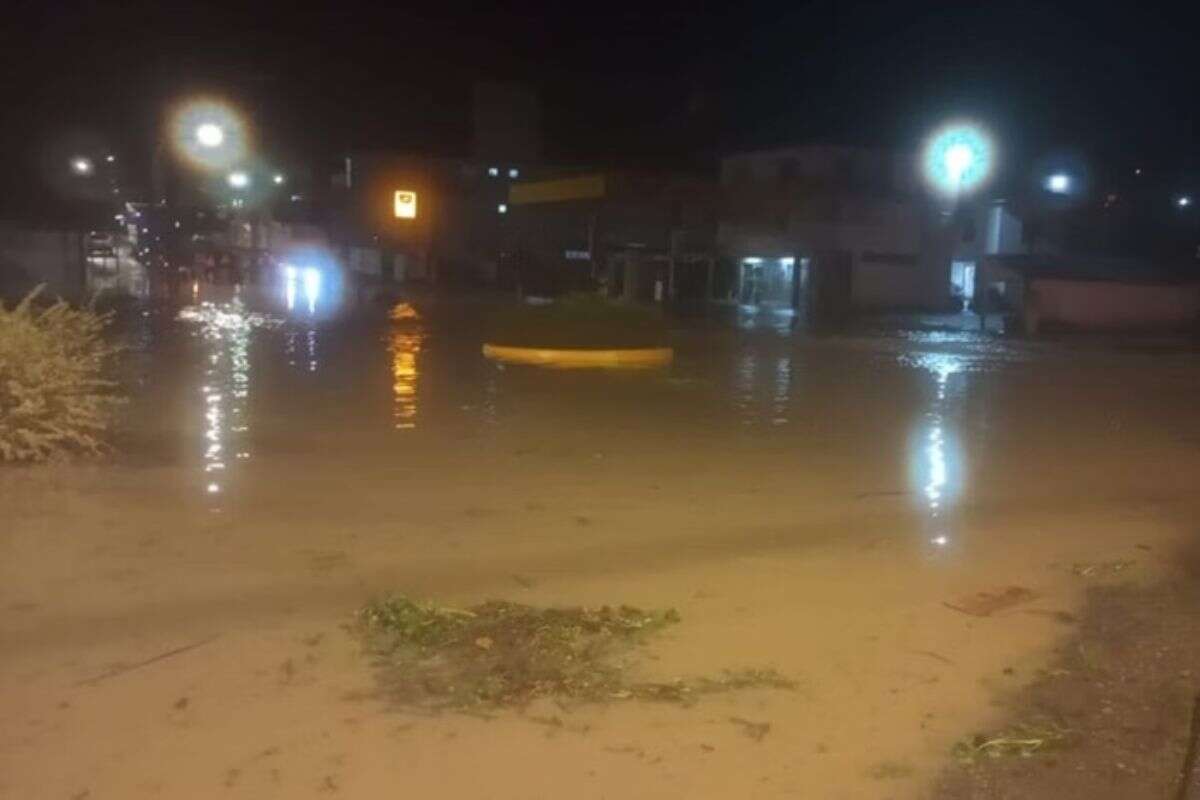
935, 456
762, 387
783, 387
745, 370
225, 329
404, 344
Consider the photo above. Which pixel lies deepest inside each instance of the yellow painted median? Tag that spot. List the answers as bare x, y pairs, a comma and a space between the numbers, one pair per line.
639, 358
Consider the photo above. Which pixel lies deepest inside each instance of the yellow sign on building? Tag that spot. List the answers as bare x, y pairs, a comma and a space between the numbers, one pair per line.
405, 204
583, 187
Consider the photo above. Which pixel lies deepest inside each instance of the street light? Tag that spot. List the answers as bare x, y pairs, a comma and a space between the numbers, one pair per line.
1058, 183
1183, 201
238, 180
210, 134
958, 158
81, 165
278, 179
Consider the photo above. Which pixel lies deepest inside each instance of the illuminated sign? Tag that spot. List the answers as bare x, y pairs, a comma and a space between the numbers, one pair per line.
405, 205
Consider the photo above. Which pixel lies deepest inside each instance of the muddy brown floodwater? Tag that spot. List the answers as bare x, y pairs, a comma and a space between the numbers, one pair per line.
172, 624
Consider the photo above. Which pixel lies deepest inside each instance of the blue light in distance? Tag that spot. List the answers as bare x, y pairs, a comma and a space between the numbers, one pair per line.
1058, 183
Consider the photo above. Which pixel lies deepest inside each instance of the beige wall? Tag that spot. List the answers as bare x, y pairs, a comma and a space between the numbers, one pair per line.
1104, 305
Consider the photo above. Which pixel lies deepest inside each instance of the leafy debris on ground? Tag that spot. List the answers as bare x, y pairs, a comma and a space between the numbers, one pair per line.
984, 604
1023, 740
503, 654
1100, 569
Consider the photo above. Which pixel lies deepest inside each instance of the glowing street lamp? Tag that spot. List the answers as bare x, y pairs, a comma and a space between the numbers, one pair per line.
278, 179
1058, 183
81, 165
958, 158
238, 180
1183, 201
210, 135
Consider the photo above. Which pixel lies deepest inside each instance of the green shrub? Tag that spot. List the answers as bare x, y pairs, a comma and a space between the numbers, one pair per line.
54, 397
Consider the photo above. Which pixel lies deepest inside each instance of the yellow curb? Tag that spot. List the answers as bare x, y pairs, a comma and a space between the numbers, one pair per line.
578, 359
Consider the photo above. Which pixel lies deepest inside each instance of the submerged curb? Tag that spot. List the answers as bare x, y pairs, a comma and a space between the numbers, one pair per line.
639, 358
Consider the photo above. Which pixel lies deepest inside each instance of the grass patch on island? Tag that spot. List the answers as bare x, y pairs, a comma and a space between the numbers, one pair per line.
500, 654
578, 321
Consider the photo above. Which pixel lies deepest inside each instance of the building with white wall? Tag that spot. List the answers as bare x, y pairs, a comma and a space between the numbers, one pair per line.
846, 229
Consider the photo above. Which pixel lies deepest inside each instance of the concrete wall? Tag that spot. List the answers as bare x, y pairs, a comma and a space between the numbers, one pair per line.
861, 204
30, 257
1095, 305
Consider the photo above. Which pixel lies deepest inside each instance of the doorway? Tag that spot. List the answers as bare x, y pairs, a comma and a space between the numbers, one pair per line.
962, 281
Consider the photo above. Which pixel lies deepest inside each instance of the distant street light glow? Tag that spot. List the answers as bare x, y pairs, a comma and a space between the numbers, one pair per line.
238, 180
210, 134
81, 165
278, 179
1058, 183
1184, 201
958, 158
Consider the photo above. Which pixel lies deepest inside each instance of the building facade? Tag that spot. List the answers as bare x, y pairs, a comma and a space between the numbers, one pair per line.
637, 235
830, 231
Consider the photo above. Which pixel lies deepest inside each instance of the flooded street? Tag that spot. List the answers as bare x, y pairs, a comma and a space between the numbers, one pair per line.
173, 624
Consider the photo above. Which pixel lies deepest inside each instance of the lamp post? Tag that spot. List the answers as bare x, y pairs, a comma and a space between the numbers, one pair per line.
956, 161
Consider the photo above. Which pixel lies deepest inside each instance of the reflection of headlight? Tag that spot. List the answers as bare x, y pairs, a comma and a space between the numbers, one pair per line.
289, 272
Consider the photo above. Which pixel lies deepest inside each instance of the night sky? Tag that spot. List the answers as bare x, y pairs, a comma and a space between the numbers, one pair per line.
647, 83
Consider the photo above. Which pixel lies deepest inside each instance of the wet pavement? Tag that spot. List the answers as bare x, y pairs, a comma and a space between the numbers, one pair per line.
171, 625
